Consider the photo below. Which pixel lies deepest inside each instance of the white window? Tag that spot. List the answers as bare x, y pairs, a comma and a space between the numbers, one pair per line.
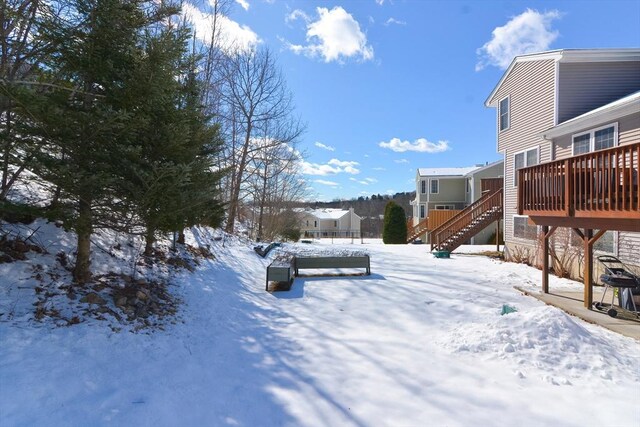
503, 111
595, 139
606, 243
422, 211
522, 229
522, 160
335, 223
468, 189
434, 186
444, 207
307, 223
315, 224
423, 186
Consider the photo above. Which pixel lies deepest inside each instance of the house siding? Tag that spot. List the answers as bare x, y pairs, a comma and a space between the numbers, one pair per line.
629, 248
529, 116
583, 87
449, 190
628, 133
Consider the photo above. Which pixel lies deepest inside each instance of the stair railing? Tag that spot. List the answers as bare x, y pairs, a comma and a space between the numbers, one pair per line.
465, 217
416, 230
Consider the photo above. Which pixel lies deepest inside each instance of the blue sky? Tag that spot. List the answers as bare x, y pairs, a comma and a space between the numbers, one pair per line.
388, 86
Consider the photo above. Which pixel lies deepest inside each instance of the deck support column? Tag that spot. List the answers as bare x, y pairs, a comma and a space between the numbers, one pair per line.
498, 235
589, 240
546, 234
588, 268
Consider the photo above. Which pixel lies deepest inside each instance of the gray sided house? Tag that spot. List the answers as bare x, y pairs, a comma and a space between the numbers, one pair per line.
320, 223
452, 189
557, 105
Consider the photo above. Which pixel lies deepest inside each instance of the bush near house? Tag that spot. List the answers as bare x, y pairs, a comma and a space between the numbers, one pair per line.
394, 229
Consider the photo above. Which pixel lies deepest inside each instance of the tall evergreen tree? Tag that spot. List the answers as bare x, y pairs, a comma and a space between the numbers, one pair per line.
83, 119
169, 174
394, 229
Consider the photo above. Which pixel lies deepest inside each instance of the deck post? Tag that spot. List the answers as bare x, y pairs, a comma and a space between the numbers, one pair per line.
588, 268
545, 259
546, 233
498, 235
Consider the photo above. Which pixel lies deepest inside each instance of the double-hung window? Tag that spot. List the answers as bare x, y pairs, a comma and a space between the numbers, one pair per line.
422, 211
503, 112
522, 160
595, 139
435, 186
423, 187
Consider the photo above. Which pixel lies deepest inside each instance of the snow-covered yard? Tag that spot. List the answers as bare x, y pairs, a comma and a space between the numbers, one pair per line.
419, 342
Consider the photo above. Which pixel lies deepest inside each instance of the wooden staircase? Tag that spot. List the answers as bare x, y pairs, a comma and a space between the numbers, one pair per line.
470, 221
415, 231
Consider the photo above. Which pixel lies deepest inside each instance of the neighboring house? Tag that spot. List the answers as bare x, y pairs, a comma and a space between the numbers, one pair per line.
556, 105
329, 223
452, 189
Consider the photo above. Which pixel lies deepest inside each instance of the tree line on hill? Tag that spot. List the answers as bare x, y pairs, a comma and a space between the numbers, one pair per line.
128, 120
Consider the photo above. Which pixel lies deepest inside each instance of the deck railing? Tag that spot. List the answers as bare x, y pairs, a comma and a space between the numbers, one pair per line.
600, 184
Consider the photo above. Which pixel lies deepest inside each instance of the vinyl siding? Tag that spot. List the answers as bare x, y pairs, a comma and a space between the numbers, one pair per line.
495, 171
629, 248
628, 132
530, 86
583, 87
449, 190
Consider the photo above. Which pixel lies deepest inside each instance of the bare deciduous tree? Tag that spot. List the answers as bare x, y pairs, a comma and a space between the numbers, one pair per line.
254, 96
20, 52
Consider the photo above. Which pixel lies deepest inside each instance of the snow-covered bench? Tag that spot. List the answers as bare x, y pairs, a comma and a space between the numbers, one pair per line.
284, 271
321, 262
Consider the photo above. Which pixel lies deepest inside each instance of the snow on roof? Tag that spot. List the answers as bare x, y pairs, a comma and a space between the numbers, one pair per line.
327, 213
447, 171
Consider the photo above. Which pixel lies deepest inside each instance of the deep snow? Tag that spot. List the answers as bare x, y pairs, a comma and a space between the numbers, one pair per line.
419, 342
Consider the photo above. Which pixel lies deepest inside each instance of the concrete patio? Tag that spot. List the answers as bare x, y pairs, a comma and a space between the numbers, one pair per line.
572, 303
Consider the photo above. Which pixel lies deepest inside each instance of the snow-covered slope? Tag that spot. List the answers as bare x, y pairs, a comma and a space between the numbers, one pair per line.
419, 342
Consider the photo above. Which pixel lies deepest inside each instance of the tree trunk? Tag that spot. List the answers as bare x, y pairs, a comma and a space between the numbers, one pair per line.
84, 228
150, 239
235, 191
181, 237
263, 197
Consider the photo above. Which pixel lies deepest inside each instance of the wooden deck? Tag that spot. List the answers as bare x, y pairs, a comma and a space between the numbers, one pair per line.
597, 190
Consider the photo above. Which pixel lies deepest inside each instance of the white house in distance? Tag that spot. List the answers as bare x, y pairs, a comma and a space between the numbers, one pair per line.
329, 223
453, 189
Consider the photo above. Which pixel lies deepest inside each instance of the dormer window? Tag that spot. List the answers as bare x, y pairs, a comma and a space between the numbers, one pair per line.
503, 112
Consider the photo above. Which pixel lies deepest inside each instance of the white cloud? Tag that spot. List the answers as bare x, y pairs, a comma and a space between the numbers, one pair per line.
363, 182
526, 33
325, 147
332, 167
297, 14
371, 180
335, 36
232, 34
325, 182
379, 169
380, 2
243, 3
401, 161
420, 145
394, 21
